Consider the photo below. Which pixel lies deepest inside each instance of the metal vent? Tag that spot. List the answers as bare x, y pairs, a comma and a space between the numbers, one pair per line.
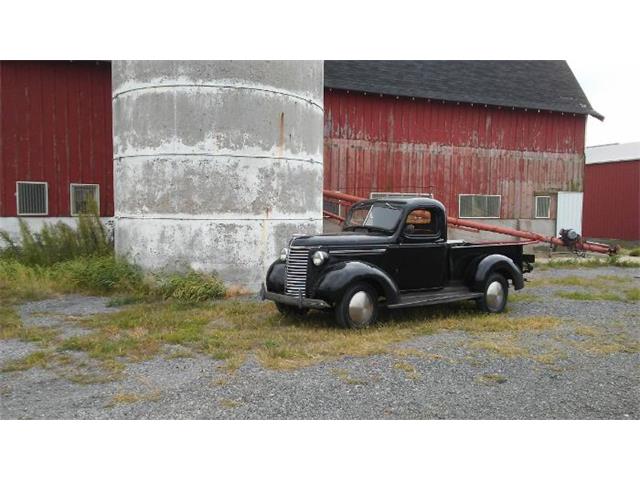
296, 271
32, 198
84, 197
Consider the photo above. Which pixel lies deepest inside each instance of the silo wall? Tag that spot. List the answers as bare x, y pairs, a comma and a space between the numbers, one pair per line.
216, 163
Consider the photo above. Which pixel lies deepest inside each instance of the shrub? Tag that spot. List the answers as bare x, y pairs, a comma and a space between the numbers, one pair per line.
635, 252
190, 288
58, 242
105, 274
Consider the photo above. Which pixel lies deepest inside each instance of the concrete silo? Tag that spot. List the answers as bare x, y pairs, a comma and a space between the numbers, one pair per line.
217, 163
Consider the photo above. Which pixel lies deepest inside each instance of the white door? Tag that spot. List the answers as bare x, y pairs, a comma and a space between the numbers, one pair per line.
569, 211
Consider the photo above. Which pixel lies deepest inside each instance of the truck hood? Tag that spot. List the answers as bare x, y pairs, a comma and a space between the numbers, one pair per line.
341, 239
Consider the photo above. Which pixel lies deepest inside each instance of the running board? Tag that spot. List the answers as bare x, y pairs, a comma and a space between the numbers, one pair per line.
446, 295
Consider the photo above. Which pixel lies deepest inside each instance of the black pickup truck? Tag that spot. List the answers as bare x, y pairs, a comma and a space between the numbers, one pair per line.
392, 253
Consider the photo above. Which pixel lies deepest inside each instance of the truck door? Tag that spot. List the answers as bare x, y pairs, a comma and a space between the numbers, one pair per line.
420, 255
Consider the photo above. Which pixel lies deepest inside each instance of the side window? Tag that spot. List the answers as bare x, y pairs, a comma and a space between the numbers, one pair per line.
422, 222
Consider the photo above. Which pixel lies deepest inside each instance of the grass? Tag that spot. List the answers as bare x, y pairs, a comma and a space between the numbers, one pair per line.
491, 379
634, 252
408, 369
624, 295
62, 259
229, 403
124, 398
256, 328
230, 330
35, 359
592, 262
347, 378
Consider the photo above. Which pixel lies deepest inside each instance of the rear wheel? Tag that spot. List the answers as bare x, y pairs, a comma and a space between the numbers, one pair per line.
291, 310
358, 307
496, 291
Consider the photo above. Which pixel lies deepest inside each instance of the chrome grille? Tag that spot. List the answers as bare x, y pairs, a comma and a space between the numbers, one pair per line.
296, 271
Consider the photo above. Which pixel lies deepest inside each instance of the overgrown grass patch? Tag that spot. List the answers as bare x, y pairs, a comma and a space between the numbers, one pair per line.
592, 262
256, 328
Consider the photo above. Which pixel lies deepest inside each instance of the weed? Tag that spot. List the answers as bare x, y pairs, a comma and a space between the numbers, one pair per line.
229, 403
58, 242
635, 252
35, 359
347, 378
491, 378
408, 369
593, 262
190, 288
131, 397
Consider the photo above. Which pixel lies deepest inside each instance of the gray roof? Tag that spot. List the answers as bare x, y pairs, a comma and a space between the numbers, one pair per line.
537, 84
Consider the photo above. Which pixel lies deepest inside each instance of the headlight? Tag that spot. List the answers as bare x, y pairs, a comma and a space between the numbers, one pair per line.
283, 254
319, 258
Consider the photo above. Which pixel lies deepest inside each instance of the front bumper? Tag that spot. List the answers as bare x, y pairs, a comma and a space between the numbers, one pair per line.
300, 301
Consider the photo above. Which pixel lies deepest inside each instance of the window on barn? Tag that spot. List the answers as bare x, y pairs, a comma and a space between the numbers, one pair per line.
479, 206
84, 198
32, 198
543, 206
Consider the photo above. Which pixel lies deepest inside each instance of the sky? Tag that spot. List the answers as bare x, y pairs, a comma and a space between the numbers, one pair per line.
612, 89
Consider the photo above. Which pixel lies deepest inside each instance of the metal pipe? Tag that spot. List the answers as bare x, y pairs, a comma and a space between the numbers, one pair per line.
469, 224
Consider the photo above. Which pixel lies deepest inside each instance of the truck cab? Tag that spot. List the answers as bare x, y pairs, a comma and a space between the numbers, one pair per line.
391, 254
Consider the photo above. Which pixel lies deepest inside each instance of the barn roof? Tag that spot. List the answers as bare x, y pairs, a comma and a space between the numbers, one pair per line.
538, 84
613, 152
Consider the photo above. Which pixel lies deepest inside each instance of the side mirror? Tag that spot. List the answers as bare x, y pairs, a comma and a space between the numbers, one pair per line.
409, 229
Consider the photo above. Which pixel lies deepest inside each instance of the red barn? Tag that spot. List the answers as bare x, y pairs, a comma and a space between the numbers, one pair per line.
611, 207
55, 140
497, 140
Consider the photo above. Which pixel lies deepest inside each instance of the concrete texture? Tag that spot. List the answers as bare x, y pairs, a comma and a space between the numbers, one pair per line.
217, 163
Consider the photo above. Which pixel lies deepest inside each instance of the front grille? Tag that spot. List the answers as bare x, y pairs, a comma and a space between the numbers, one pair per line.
296, 271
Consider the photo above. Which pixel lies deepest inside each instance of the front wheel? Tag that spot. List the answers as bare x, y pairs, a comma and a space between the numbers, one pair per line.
494, 297
358, 307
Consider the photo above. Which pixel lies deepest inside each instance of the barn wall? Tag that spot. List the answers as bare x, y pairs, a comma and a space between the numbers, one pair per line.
386, 144
55, 126
611, 206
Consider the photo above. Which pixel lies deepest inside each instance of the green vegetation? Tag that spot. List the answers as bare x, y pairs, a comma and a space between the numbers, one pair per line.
593, 262
61, 259
491, 378
635, 252
230, 330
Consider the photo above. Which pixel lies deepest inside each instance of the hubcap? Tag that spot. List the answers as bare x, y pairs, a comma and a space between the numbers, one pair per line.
495, 295
361, 308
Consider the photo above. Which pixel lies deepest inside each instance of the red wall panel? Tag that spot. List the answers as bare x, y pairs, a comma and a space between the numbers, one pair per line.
389, 144
611, 207
55, 126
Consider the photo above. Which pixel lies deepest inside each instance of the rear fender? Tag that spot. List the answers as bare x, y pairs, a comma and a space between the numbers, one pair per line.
332, 284
497, 263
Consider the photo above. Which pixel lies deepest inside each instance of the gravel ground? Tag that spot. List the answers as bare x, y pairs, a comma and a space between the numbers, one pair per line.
448, 378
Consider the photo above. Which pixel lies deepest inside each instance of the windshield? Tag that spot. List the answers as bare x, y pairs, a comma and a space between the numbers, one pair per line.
381, 216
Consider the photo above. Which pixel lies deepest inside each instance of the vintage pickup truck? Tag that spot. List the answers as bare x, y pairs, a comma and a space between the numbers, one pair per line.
392, 253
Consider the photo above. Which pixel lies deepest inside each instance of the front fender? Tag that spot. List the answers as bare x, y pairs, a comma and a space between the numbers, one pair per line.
499, 264
276, 277
334, 281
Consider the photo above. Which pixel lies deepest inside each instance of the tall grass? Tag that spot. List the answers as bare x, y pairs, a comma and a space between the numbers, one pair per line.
62, 259
58, 242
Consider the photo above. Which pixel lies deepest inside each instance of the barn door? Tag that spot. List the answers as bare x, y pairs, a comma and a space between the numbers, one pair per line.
569, 211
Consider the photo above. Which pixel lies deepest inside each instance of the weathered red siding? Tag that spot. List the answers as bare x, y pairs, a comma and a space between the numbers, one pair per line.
55, 127
390, 144
611, 207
